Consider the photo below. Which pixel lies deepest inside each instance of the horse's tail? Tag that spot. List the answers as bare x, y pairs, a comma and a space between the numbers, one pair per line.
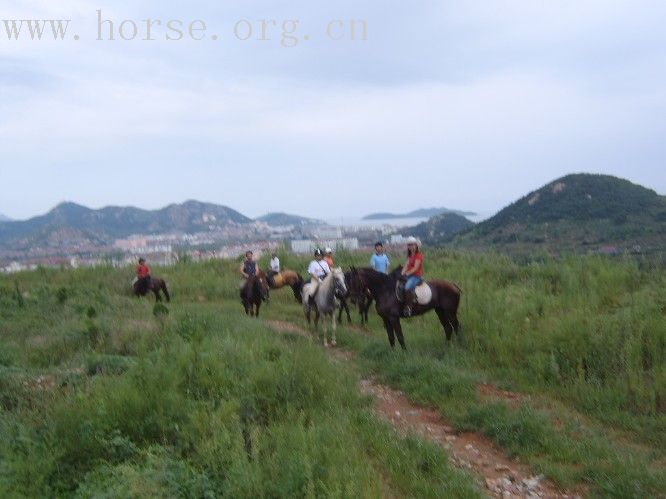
164, 289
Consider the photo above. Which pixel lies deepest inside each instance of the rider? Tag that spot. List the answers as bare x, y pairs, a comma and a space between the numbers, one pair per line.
412, 272
143, 276
329, 258
248, 268
380, 261
273, 268
318, 270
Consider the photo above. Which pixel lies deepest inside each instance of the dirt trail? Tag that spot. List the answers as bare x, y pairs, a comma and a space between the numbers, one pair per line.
500, 475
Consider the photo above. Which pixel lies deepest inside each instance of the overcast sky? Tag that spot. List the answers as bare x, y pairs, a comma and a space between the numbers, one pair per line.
467, 104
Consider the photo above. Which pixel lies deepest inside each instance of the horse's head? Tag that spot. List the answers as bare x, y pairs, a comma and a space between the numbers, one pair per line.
262, 285
396, 272
355, 284
339, 281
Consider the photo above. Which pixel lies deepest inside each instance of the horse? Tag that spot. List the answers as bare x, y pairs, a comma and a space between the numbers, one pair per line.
325, 301
253, 292
362, 299
287, 278
444, 300
155, 285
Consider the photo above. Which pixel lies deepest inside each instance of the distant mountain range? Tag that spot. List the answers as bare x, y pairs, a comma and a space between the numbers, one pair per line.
576, 211
420, 213
284, 219
4, 218
70, 222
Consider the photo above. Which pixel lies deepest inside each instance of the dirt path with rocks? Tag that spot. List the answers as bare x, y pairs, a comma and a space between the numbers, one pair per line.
498, 474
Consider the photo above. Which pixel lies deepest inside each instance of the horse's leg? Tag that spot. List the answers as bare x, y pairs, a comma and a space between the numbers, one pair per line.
446, 323
258, 306
349, 319
158, 298
166, 291
389, 331
398, 331
333, 341
364, 307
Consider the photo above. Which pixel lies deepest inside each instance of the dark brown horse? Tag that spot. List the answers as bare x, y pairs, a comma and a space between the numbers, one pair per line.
361, 298
287, 278
253, 292
445, 300
155, 285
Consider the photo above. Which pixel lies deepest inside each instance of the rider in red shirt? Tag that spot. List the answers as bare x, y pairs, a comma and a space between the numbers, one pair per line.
143, 274
412, 272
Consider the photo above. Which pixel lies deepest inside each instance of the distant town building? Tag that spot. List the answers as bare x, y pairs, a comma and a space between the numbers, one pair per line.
329, 233
308, 245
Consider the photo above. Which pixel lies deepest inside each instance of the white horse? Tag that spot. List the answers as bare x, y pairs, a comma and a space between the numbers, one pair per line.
324, 300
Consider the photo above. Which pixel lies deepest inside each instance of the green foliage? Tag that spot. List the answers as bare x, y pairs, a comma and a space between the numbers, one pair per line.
97, 398
577, 212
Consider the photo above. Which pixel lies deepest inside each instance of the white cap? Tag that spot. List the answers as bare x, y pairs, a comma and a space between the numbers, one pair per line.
329, 250
413, 240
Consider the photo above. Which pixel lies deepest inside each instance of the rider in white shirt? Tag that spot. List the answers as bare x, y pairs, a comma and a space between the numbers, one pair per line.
275, 263
273, 269
318, 270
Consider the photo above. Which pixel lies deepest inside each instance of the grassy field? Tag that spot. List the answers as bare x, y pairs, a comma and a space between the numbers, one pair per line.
105, 395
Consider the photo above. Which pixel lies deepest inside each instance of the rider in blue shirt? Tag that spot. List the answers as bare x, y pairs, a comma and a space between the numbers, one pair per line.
379, 260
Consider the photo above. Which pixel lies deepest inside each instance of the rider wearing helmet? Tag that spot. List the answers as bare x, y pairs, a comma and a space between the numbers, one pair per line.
412, 272
318, 270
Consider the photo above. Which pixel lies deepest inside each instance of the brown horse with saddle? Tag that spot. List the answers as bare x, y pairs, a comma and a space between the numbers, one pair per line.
154, 284
254, 292
441, 296
287, 278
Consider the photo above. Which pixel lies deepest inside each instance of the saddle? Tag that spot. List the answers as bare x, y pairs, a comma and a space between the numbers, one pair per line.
278, 279
423, 292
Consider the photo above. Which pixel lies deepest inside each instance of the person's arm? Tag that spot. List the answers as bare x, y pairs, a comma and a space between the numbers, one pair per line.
242, 270
415, 268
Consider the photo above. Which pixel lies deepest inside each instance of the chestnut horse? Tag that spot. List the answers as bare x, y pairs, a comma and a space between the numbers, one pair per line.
156, 285
287, 278
445, 300
253, 292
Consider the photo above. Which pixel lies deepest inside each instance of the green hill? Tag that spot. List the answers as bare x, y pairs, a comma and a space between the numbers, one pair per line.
441, 229
577, 211
283, 219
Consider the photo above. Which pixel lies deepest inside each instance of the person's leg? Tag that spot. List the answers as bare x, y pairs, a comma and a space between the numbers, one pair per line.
410, 295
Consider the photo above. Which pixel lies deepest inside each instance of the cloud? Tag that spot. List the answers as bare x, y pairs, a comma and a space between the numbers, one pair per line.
472, 93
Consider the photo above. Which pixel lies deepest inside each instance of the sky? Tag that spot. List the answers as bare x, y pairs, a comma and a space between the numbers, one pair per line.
468, 105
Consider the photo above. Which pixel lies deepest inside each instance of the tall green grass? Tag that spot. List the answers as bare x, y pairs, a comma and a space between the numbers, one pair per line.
100, 397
